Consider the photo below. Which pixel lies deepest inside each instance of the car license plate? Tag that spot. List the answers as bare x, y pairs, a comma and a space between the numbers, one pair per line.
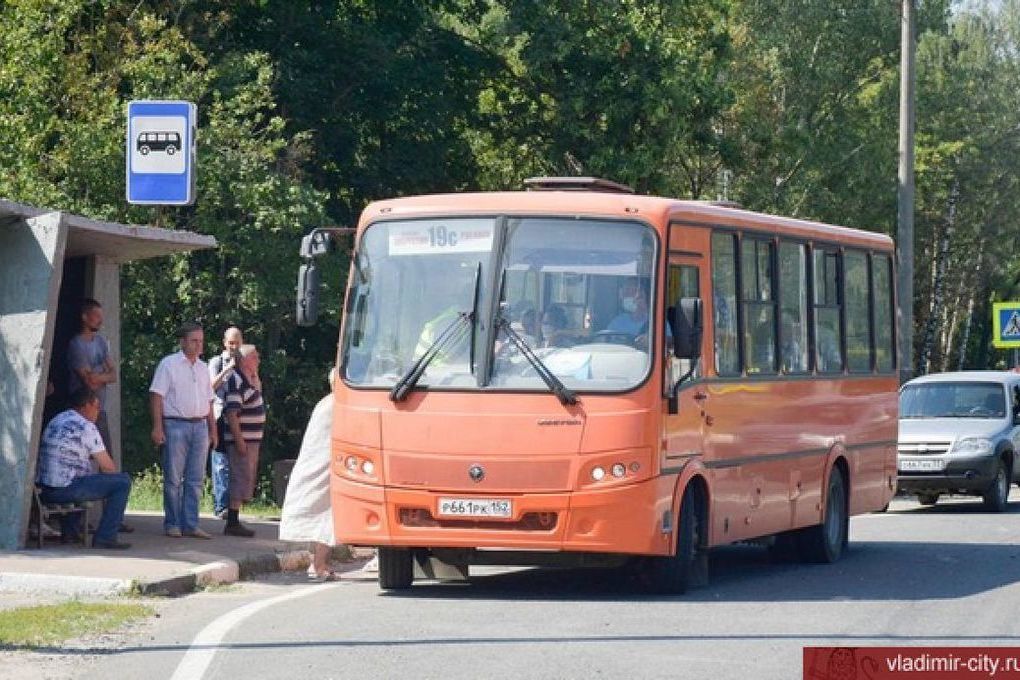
922, 465
476, 507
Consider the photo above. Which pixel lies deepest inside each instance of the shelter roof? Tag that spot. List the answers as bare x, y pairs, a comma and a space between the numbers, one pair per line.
115, 241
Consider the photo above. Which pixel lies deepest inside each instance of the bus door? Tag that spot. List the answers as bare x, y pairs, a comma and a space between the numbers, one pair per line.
684, 430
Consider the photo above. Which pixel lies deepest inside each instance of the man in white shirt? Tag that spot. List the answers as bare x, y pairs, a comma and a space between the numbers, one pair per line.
71, 443
181, 397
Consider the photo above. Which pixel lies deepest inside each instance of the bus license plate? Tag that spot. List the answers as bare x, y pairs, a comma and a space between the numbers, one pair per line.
922, 465
475, 507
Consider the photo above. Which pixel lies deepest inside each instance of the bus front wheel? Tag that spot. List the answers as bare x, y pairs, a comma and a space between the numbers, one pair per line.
688, 567
396, 568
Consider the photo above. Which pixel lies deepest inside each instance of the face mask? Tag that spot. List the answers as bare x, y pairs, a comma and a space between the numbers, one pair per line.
629, 305
548, 330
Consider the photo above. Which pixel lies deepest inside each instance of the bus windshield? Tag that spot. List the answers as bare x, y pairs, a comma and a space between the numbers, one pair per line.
578, 292
413, 281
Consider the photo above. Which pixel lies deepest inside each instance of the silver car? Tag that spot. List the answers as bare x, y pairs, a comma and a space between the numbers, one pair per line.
960, 433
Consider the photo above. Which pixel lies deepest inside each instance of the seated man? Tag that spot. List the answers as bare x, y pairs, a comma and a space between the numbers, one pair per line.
633, 320
70, 444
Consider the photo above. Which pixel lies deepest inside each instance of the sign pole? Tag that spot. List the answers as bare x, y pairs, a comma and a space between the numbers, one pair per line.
905, 195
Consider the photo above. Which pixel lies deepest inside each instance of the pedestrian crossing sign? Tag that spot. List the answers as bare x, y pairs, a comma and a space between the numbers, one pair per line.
1006, 324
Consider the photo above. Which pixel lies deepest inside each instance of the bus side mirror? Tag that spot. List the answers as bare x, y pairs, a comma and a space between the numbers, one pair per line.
315, 244
308, 294
686, 321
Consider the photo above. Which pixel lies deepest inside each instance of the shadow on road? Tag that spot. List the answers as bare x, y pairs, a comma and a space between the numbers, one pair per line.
871, 570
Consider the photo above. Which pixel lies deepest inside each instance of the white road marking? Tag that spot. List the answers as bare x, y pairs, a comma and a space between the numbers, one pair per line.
205, 645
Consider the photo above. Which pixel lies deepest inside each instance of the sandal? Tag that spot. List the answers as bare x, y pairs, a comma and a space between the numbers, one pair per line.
323, 577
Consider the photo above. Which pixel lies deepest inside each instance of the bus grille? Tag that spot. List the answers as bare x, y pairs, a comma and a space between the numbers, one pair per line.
530, 521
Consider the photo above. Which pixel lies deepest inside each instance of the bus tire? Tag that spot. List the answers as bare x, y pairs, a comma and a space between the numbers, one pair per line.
928, 498
144, 150
996, 497
171, 150
688, 567
824, 543
396, 568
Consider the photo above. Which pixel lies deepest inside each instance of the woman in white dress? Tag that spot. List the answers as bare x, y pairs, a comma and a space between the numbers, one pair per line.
307, 511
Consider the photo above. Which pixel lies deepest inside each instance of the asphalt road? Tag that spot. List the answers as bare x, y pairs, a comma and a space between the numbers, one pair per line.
944, 576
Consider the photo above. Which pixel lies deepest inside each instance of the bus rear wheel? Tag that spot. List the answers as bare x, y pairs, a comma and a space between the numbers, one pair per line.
824, 543
396, 568
688, 567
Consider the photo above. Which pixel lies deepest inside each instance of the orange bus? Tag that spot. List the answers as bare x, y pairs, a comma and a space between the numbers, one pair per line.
575, 374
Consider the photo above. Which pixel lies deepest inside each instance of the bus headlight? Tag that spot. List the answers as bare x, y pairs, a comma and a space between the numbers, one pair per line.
973, 445
619, 470
368, 467
351, 463
598, 473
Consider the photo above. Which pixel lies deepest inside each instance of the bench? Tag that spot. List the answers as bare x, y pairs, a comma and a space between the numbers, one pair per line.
43, 511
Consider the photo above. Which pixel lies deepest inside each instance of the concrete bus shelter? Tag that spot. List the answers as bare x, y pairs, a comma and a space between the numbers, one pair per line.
48, 262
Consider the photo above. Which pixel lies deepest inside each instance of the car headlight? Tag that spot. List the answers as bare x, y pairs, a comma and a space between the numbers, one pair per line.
972, 445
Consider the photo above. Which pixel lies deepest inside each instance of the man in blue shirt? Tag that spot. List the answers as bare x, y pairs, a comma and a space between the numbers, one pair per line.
88, 358
633, 320
71, 443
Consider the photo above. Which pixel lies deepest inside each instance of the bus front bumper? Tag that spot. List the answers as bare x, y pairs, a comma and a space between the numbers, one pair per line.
625, 519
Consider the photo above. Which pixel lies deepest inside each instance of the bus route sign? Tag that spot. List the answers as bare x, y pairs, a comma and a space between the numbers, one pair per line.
161, 153
1006, 325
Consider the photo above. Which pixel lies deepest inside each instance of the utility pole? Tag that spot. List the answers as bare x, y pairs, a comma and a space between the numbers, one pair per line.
905, 195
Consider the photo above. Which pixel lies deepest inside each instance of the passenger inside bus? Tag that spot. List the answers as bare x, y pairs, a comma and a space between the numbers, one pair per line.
794, 353
526, 326
554, 324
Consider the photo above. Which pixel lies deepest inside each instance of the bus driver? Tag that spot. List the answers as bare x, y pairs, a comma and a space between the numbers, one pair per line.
633, 320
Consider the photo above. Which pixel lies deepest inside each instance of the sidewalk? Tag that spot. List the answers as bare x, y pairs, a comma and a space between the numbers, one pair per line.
155, 564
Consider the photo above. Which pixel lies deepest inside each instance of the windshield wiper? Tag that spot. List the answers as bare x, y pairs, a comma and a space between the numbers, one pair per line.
562, 392
454, 331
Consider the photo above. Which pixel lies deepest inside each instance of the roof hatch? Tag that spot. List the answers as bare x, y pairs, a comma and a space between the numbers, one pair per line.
576, 184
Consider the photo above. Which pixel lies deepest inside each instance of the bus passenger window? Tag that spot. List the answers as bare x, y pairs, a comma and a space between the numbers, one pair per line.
828, 340
858, 312
881, 281
759, 306
724, 304
793, 331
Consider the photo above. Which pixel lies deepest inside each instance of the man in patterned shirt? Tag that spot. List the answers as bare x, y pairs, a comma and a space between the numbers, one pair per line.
70, 444
245, 417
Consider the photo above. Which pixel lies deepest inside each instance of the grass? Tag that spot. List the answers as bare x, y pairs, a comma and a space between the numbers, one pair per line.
47, 625
147, 495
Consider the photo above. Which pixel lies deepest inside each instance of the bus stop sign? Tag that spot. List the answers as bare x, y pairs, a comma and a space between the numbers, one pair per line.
161, 153
1006, 325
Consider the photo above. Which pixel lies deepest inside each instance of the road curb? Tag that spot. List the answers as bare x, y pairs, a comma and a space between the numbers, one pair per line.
225, 572
219, 572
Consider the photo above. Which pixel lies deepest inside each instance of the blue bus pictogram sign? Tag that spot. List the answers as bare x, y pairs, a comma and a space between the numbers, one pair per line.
161, 153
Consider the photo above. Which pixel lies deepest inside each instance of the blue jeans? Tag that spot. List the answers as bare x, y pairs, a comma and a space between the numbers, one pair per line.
113, 488
184, 454
220, 466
